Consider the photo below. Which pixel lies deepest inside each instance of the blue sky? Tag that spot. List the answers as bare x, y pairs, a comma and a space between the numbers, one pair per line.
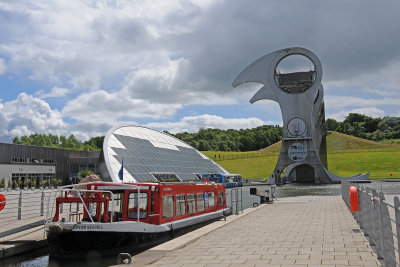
80, 67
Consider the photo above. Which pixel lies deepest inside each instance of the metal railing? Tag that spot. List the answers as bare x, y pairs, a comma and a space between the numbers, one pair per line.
80, 192
254, 154
378, 219
24, 209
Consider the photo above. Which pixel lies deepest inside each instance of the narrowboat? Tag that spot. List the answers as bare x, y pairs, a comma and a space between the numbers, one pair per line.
128, 217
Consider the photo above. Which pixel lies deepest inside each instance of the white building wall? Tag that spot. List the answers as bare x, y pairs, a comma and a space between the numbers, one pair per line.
6, 170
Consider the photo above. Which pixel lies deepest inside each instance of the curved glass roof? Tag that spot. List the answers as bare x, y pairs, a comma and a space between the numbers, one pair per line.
150, 155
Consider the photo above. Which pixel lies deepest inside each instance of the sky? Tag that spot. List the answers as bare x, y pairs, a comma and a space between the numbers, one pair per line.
81, 67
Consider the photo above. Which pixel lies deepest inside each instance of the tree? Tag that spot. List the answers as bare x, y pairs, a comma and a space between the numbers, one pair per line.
331, 124
95, 142
16, 140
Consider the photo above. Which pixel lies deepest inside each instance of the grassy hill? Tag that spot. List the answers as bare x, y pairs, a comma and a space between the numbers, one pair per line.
347, 155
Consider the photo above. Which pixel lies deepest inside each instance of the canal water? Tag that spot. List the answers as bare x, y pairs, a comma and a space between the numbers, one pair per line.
41, 258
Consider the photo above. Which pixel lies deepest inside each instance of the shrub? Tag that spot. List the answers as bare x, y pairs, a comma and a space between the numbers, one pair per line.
2, 183
19, 182
42, 183
27, 183
10, 183
59, 182
33, 183
53, 181
85, 173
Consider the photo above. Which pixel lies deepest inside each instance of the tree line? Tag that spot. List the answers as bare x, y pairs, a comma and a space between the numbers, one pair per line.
205, 139
232, 140
386, 129
50, 140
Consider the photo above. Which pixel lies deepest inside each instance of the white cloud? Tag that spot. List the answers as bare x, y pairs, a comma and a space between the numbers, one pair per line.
173, 81
104, 107
3, 67
194, 123
143, 59
101, 41
381, 91
87, 80
371, 112
55, 92
334, 102
27, 115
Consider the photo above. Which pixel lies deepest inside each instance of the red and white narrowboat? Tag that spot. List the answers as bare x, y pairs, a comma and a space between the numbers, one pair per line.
129, 217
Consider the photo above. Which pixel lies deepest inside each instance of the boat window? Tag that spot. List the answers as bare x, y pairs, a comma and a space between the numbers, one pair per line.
191, 203
200, 202
220, 198
137, 200
211, 199
168, 206
180, 205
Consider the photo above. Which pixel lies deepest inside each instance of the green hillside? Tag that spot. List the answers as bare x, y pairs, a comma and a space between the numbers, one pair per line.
347, 156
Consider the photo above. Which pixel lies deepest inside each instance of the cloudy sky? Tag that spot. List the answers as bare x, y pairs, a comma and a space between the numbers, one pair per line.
81, 67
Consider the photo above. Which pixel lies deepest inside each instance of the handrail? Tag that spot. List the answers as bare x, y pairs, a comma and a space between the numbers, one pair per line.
70, 188
84, 206
374, 219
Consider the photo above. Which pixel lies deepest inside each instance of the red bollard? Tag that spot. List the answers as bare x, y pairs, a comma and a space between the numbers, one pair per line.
353, 199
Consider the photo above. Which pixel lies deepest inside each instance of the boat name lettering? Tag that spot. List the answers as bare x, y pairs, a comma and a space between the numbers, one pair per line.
167, 189
88, 227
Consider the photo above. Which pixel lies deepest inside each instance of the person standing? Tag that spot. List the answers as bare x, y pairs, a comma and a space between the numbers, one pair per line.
69, 181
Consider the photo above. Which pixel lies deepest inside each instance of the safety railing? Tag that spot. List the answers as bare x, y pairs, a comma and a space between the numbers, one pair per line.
23, 210
378, 219
82, 205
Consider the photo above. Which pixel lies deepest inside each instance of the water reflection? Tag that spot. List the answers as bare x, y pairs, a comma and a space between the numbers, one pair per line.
40, 258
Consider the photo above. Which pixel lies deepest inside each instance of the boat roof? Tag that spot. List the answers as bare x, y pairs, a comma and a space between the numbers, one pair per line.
112, 185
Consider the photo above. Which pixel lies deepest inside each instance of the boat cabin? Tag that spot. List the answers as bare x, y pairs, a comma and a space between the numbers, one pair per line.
145, 202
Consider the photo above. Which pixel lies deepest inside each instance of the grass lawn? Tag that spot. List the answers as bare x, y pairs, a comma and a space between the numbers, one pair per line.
378, 164
347, 156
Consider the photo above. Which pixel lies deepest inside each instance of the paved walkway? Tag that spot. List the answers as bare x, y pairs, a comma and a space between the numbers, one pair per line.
300, 231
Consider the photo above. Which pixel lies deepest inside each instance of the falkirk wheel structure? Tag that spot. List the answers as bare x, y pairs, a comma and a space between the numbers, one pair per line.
300, 97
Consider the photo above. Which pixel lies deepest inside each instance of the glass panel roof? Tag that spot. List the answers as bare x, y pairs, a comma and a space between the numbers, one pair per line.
146, 151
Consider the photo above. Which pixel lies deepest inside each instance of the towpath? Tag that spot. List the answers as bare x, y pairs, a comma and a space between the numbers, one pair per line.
298, 231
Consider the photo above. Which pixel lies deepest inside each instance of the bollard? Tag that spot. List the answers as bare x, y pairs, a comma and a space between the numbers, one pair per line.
122, 257
42, 203
20, 205
353, 198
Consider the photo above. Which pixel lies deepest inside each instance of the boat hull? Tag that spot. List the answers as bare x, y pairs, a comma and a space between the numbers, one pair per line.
80, 244
72, 240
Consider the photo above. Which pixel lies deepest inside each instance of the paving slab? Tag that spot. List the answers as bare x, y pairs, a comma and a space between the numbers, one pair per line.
299, 231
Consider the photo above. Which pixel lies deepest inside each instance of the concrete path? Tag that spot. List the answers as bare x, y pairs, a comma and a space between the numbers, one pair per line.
299, 231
